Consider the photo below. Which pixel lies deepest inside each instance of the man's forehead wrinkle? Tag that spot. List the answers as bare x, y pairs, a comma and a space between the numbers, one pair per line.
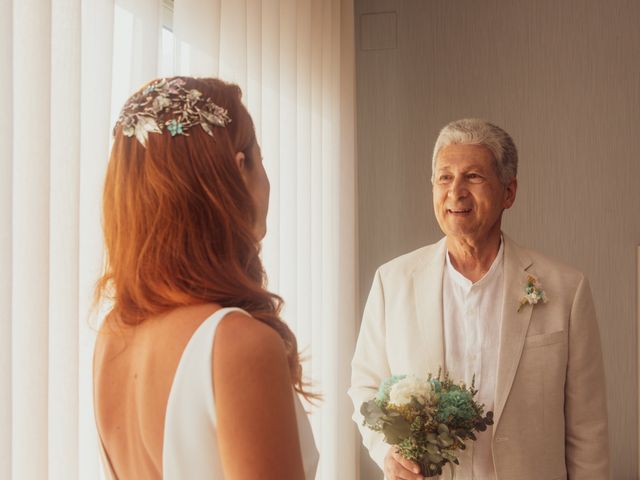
473, 165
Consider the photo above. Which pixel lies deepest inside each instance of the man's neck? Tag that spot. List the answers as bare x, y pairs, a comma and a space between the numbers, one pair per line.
471, 257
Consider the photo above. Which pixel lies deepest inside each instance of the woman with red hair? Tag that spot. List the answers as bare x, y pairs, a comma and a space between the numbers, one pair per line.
195, 374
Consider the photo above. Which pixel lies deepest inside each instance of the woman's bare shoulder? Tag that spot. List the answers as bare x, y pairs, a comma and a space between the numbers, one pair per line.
240, 337
254, 401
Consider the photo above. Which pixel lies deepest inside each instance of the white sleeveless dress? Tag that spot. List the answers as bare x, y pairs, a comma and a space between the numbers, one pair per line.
190, 448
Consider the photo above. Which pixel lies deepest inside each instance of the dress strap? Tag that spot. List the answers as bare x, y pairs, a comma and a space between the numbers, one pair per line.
190, 447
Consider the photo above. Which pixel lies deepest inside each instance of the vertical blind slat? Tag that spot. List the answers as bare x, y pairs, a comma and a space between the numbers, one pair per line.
346, 181
64, 406
146, 45
30, 279
196, 25
318, 351
302, 159
233, 42
270, 117
95, 134
6, 189
288, 163
253, 93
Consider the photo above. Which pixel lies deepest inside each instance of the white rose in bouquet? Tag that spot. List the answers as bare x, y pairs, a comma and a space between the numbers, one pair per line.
411, 386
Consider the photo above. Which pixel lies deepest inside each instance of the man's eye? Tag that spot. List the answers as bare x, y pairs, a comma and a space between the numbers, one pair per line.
474, 177
444, 178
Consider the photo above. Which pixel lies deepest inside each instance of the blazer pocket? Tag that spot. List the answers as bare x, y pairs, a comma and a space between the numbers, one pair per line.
543, 339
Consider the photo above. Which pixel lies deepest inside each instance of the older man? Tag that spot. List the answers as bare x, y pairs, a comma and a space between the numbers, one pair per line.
461, 304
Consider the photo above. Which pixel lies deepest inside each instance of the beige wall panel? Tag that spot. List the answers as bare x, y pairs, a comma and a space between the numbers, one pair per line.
564, 79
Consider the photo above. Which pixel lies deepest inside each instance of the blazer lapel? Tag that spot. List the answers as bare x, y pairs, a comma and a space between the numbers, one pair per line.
427, 284
514, 324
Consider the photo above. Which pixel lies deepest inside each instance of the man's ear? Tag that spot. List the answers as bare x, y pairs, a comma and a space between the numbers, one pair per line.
511, 190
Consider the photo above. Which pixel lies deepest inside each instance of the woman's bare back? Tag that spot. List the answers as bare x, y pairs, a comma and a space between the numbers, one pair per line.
134, 369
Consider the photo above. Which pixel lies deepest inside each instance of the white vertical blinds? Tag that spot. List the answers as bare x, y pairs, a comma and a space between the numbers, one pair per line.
66, 67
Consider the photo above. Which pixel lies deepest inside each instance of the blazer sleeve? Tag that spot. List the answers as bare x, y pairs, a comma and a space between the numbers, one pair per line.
586, 430
369, 366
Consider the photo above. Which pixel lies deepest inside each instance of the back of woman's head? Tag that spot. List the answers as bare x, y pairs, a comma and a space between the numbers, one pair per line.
178, 218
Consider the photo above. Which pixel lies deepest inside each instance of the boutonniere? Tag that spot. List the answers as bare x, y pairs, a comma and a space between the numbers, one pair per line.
533, 293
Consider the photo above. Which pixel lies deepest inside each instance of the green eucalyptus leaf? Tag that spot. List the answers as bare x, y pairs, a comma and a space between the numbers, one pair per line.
442, 428
432, 438
449, 456
445, 439
432, 449
372, 412
396, 429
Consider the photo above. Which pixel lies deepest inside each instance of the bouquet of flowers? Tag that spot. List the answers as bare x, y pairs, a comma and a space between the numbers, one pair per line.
428, 420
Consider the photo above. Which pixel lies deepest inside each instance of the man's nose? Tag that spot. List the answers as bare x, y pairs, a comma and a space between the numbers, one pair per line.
458, 188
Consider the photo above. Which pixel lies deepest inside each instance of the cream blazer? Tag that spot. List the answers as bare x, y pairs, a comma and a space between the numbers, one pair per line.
550, 416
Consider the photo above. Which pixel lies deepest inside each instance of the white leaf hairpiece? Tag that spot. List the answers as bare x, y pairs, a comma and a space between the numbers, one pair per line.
168, 104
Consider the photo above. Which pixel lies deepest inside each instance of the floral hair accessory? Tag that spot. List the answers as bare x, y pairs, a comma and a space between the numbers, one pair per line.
533, 293
167, 103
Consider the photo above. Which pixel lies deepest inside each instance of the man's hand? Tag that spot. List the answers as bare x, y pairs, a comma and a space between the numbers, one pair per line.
396, 467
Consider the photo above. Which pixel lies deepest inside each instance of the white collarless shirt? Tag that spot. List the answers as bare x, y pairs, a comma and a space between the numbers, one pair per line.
472, 318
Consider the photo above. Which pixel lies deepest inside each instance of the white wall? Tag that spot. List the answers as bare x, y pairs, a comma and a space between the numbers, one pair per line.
564, 79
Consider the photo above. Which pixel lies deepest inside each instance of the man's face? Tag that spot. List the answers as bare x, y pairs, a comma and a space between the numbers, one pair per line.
468, 196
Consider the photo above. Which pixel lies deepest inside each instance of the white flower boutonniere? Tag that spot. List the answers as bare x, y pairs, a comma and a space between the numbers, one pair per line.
533, 293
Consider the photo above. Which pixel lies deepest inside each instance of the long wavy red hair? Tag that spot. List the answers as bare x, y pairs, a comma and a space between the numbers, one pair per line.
178, 224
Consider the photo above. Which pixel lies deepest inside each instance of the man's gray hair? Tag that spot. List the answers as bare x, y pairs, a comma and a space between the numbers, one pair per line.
474, 131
